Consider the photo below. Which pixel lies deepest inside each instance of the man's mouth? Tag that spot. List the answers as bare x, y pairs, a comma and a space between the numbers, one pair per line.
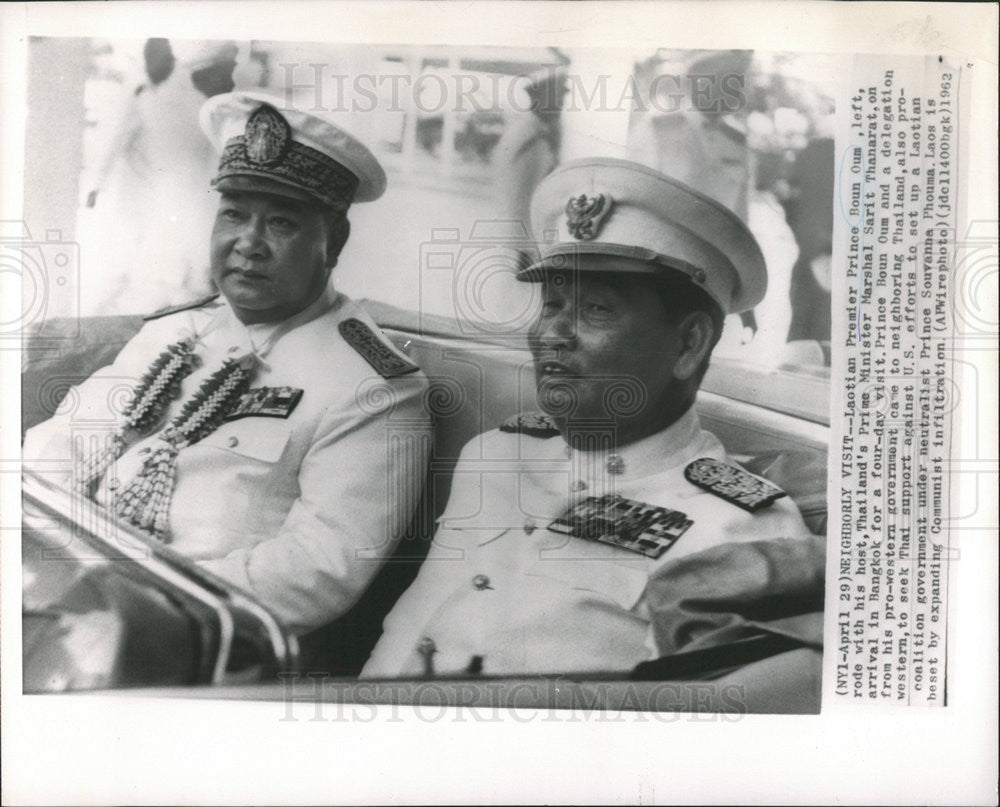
244, 273
556, 369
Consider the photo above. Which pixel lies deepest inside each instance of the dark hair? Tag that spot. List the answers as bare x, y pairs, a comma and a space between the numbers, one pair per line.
681, 297
546, 94
159, 58
338, 229
215, 78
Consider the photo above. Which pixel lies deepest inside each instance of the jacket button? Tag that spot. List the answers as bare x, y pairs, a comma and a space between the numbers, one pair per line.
530, 526
579, 484
233, 441
480, 582
426, 648
234, 348
113, 484
615, 464
144, 451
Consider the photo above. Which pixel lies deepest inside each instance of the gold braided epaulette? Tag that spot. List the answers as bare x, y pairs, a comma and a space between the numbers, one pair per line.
386, 362
732, 484
534, 424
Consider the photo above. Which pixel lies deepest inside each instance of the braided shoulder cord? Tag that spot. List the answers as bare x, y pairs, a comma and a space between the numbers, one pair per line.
146, 501
150, 399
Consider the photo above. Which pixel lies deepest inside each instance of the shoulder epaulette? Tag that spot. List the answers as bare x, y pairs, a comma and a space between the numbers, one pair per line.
534, 424
732, 483
173, 309
386, 362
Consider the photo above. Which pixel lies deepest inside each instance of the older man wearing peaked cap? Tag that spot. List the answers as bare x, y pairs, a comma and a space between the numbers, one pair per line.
272, 432
576, 538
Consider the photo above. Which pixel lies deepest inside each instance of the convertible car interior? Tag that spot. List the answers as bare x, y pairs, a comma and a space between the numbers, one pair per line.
167, 623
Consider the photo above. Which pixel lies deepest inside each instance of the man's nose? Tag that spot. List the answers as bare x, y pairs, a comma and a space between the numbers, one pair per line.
251, 243
558, 331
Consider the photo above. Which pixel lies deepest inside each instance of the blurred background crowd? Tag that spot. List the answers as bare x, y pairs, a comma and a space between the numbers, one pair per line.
117, 162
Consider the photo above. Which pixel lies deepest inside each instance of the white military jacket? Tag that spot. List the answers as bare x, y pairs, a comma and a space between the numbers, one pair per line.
297, 510
502, 594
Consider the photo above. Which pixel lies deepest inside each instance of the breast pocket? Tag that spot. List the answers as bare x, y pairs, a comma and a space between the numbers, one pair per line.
260, 439
478, 512
623, 582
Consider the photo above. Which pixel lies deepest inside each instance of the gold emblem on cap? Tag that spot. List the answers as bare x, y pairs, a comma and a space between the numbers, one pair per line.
585, 214
266, 135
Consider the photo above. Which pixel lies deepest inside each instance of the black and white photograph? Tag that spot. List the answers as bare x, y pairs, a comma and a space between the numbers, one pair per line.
373, 440
472, 378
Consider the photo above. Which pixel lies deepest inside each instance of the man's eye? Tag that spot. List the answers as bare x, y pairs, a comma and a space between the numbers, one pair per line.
597, 310
282, 223
549, 307
231, 214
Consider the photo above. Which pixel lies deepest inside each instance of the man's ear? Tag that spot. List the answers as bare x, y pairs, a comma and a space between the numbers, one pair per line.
338, 231
697, 334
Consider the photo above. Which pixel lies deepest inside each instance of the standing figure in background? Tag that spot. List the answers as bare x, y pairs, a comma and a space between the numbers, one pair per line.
695, 132
528, 150
810, 214
149, 212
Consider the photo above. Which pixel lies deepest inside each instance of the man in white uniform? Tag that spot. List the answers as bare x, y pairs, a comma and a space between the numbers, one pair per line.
567, 530
271, 433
